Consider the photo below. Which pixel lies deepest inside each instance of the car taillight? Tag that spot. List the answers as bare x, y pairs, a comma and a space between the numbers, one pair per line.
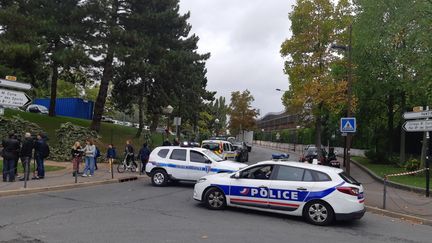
349, 190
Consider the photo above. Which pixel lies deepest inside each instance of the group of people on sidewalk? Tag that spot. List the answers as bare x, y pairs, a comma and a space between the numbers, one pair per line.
90, 154
14, 148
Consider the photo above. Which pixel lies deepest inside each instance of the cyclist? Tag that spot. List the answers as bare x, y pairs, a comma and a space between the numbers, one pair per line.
130, 154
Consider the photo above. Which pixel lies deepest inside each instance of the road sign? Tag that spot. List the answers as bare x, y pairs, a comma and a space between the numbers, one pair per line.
418, 126
348, 125
177, 121
417, 115
15, 85
10, 98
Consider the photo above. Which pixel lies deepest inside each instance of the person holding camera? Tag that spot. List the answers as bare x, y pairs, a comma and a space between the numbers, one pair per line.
26, 155
76, 153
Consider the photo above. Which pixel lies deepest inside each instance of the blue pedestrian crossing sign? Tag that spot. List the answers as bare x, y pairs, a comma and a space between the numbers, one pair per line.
348, 125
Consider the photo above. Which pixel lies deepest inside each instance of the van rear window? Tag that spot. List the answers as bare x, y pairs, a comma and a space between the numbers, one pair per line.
348, 178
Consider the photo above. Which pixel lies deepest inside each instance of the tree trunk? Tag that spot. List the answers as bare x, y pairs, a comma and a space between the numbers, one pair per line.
140, 114
154, 122
390, 123
402, 156
318, 128
54, 79
103, 91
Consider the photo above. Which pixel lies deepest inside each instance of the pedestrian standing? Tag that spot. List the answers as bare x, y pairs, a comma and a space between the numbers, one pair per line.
76, 153
89, 153
10, 154
42, 152
98, 154
111, 155
144, 155
17, 137
26, 155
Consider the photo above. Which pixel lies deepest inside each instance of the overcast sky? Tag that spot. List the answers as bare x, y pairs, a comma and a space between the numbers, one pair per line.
244, 39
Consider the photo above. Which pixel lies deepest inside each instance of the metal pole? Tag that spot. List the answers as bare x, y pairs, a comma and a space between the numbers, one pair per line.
26, 172
427, 176
385, 192
349, 93
112, 171
76, 172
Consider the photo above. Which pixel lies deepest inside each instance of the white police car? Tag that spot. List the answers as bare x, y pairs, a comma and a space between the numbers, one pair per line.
173, 163
318, 193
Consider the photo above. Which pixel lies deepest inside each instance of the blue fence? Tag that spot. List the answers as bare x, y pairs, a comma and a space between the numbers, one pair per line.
70, 107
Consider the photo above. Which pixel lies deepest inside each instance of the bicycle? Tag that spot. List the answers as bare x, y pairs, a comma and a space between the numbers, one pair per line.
124, 166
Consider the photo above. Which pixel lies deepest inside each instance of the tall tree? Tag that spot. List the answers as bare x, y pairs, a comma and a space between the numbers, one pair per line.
105, 32
315, 24
242, 115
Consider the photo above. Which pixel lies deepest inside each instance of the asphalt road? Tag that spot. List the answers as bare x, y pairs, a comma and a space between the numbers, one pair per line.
138, 212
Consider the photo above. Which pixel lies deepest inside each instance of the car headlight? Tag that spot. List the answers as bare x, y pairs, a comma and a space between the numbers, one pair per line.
201, 180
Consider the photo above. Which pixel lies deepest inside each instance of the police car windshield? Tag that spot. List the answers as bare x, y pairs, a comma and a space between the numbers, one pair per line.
213, 156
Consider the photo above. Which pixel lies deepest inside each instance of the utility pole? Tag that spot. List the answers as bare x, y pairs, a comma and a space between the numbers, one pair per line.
349, 94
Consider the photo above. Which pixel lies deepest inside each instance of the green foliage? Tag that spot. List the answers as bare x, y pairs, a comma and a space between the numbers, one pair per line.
412, 165
377, 157
242, 115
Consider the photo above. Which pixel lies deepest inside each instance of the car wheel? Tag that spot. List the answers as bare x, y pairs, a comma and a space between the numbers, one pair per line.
318, 213
159, 178
215, 199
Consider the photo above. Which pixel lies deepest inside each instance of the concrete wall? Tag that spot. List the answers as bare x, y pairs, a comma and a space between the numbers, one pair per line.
300, 147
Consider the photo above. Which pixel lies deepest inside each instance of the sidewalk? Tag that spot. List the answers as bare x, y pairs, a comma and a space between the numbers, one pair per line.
63, 179
399, 201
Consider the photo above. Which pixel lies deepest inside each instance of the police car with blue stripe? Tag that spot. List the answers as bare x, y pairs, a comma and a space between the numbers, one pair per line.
320, 194
174, 163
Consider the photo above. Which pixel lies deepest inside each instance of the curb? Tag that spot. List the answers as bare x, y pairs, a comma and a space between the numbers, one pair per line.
400, 216
389, 183
23, 191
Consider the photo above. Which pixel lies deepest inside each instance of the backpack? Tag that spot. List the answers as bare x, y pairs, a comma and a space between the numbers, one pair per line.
98, 154
45, 150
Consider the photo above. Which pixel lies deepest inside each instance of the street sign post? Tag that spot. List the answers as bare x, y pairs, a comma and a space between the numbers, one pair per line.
418, 126
1, 111
348, 125
14, 85
10, 98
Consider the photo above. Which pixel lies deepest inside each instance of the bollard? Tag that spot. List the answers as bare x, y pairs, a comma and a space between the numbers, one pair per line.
26, 171
385, 192
76, 175
140, 167
112, 171
427, 178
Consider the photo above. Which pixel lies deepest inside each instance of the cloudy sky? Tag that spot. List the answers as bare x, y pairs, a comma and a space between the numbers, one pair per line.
244, 39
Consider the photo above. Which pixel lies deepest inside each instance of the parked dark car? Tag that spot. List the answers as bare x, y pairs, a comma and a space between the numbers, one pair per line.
242, 151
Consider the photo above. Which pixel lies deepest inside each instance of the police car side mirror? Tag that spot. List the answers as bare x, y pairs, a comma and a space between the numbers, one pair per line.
236, 175
208, 161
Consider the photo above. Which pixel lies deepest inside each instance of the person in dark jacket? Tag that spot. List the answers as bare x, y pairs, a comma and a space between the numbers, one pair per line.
17, 136
111, 155
166, 143
129, 153
26, 155
11, 150
144, 155
41, 153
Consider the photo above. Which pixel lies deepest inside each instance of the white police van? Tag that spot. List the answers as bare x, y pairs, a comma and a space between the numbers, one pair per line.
320, 194
173, 163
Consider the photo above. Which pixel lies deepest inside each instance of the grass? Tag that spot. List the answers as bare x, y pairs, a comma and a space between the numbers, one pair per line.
386, 169
48, 168
110, 133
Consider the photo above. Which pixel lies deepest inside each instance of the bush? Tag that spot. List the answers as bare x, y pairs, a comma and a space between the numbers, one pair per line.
19, 125
412, 165
377, 157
